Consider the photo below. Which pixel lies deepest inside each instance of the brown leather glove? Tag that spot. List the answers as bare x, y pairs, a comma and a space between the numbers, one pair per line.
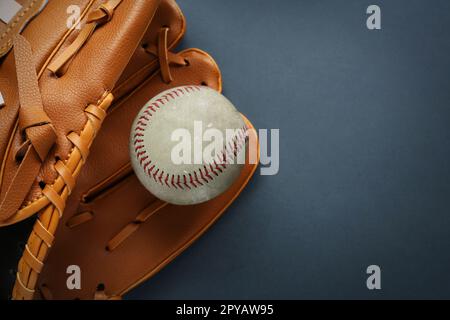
112, 228
56, 82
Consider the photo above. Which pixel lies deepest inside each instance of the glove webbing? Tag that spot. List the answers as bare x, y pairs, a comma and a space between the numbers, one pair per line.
55, 196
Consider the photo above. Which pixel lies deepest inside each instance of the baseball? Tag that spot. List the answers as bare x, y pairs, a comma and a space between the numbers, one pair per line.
188, 144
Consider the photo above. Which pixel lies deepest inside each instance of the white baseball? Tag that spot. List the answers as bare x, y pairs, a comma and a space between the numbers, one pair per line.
154, 141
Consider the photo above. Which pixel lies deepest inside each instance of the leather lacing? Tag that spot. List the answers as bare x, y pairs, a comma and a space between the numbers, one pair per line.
36, 129
96, 18
39, 138
42, 238
166, 59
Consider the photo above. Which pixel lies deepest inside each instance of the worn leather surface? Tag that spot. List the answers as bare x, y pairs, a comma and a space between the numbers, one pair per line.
94, 70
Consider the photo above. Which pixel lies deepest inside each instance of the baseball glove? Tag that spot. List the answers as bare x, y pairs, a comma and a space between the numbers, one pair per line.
56, 80
110, 218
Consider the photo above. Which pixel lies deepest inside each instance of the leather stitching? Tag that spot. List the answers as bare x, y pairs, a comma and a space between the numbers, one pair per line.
17, 19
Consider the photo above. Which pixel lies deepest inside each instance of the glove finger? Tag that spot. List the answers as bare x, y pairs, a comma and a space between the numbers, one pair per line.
167, 15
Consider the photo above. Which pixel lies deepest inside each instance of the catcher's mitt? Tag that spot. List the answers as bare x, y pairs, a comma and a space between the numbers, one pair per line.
112, 228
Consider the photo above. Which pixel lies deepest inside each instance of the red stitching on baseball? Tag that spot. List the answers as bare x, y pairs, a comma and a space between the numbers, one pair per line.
160, 177
143, 159
138, 148
179, 183
213, 170
146, 165
172, 182
191, 181
185, 182
155, 175
196, 178
166, 180
207, 173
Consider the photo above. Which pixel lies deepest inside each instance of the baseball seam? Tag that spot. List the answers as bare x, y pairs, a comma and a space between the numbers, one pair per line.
194, 179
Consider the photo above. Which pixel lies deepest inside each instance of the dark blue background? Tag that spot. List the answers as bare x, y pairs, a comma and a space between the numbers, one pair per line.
365, 146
